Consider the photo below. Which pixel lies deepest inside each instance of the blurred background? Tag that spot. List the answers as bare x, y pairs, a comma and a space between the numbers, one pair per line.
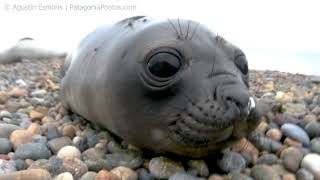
275, 35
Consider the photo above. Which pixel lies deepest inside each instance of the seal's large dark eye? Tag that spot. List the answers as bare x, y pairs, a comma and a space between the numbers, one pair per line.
241, 63
164, 64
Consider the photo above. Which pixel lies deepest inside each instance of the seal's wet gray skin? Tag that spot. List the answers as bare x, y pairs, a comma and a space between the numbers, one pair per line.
166, 85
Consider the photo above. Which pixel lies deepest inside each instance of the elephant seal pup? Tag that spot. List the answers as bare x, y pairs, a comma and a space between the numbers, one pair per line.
166, 85
27, 48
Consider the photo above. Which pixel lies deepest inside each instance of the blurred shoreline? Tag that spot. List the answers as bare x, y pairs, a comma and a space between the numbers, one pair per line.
302, 62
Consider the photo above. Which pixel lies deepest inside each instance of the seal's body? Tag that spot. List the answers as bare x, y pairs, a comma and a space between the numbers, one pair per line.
166, 85
27, 48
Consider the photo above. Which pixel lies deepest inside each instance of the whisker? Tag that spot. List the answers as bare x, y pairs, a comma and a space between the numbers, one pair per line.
188, 98
173, 27
214, 94
176, 107
180, 28
194, 31
206, 94
186, 37
219, 39
213, 63
169, 136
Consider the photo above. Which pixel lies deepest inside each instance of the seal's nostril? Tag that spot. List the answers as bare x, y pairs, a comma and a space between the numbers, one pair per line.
236, 102
245, 104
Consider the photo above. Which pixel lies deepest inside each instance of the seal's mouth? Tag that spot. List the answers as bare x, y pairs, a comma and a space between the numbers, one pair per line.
209, 122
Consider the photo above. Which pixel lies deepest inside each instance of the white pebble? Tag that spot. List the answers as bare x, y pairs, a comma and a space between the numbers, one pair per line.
311, 162
64, 176
69, 151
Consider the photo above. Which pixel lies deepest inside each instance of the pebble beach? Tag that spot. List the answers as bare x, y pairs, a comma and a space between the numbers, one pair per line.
40, 140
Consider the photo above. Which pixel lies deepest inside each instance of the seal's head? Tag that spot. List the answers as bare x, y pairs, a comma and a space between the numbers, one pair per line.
181, 88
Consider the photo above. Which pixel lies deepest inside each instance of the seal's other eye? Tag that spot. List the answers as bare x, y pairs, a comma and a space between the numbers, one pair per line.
241, 63
164, 64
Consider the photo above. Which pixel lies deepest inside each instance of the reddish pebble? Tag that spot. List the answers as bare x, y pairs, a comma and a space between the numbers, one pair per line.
18, 92
291, 142
288, 177
34, 128
18, 137
35, 115
274, 134
106, 175
4, 157
69, 130
215, 177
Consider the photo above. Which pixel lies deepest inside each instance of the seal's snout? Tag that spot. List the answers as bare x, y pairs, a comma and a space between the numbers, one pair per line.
239, 99
239, 96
